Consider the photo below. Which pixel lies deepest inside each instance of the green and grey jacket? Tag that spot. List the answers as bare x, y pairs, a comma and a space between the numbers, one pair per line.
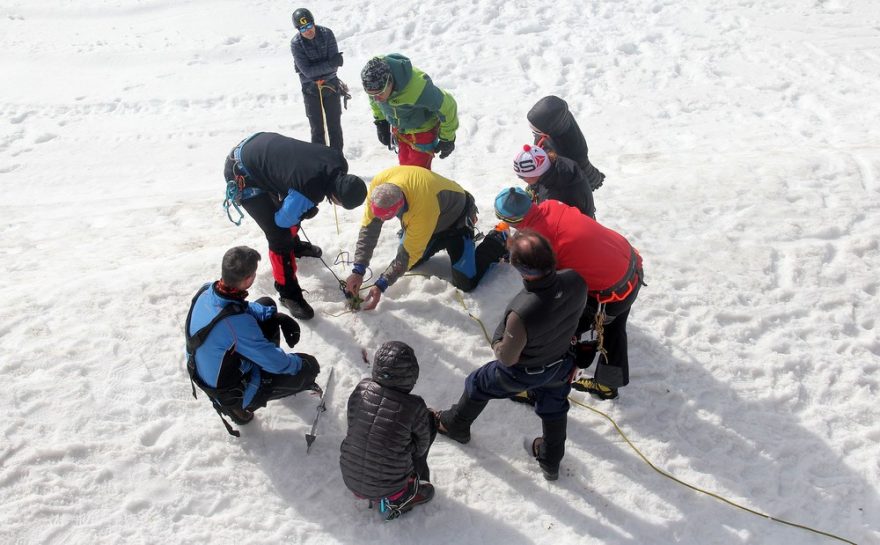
416, 104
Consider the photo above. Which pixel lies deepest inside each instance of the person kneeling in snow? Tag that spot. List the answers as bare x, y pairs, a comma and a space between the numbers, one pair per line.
436, 214
233, 346
532, 350
384, 454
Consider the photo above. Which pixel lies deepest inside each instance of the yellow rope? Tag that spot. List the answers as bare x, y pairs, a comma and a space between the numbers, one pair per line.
482, 326
698, 489
657, 469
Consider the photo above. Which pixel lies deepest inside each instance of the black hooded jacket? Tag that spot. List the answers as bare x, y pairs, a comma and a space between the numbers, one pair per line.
566, 182
277, 163
387, 426
551, 116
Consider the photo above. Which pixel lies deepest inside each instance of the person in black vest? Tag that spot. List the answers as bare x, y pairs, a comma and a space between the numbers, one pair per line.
316, 58
233, 346
555, 129
385, 452
532, 348
280, 181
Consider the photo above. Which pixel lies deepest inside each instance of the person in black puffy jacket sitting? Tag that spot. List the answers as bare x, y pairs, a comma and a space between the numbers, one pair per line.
384, 454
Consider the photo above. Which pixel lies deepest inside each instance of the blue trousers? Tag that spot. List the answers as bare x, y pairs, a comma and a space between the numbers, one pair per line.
550, 387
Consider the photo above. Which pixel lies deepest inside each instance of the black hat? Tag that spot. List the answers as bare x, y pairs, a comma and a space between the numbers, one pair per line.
375, 75
302, 17
349, 190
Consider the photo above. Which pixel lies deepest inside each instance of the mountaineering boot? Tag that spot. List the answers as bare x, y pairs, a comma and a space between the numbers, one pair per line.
240, 416
455, 423
423, 494
525, 398
292, 298
550, 448
461, 437
419, 492
550, 473
302, 248
298, 307
591, 386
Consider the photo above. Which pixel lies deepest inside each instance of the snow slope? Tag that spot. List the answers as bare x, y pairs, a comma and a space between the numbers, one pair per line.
741, 147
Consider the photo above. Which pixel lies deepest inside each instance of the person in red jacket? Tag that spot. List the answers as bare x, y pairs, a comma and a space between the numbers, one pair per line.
609, 265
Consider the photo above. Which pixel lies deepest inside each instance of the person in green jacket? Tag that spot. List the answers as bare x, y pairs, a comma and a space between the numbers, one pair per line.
408, 108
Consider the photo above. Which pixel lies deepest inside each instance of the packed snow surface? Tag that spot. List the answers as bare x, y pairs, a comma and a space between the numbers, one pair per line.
741, 146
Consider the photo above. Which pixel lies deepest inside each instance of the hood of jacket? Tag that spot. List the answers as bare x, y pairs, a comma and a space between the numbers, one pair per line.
395, 366
401, 70
550, 115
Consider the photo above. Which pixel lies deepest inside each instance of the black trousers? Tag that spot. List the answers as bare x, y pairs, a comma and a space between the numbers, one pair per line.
420, 463
612, 371
275, 386
281, 243
332, 111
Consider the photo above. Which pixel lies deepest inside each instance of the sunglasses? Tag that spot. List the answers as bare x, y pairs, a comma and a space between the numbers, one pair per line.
306, 28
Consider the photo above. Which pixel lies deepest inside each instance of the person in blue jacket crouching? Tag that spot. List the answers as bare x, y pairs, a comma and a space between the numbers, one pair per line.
233, 346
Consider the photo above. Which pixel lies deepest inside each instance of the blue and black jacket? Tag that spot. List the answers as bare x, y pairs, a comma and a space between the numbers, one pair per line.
235, 352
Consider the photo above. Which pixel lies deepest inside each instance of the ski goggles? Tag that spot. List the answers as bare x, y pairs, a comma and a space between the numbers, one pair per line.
307, 27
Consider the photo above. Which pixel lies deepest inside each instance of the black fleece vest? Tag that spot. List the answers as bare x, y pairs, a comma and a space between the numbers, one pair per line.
550, 309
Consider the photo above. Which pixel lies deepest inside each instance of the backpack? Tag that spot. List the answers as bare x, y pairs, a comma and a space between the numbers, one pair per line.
230, 389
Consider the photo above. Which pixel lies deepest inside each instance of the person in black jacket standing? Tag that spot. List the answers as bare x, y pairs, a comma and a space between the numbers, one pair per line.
532, 349
384, 454
316, 58
551, 176
279, 181
556, 129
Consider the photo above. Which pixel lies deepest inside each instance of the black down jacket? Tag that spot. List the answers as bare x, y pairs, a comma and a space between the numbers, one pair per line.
565, 182
387, 426
561, 133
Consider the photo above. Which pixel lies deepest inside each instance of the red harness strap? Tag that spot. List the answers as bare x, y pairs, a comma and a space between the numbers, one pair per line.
622, 289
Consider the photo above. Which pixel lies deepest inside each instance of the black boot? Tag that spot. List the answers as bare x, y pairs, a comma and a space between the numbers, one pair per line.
550, 448
302, 248
455, 423
292, 299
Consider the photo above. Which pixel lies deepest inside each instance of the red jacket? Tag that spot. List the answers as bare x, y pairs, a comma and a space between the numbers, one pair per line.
601, 256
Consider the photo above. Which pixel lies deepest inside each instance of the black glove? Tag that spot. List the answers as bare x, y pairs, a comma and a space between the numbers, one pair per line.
337, 59
309, 364
383, 131
310, 213
289, 328
445, 147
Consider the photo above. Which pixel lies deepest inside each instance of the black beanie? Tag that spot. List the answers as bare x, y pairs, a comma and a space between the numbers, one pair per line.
349, 190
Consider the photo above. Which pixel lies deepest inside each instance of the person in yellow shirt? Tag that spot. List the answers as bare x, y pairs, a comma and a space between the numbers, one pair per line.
436, 214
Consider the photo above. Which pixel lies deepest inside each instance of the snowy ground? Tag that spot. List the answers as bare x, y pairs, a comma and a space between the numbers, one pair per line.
742, 152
